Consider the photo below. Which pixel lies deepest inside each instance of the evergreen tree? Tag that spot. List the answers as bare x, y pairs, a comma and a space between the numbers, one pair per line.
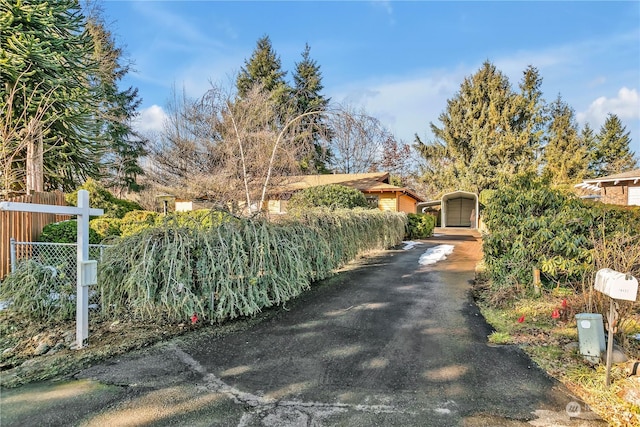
117, 111
589, 142
486, 135
46, 95
264, 68
613, 151
530, 117
566, 158
307, 97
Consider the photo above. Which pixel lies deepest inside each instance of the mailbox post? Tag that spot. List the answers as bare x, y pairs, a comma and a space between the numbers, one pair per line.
86, 271
615, 285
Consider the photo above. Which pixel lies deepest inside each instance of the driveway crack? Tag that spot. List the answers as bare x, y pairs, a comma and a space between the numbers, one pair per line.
273, 412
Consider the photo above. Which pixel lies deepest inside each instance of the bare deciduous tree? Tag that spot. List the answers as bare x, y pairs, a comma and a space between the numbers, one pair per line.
226, 149
357, 140
233, 151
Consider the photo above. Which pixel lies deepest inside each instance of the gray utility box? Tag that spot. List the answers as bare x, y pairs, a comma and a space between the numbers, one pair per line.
591, 336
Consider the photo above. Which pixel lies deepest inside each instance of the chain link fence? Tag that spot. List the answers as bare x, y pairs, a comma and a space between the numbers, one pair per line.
60, 259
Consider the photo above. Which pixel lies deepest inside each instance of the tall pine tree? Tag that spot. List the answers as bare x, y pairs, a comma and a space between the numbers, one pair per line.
530, 119
117, 111
613, 152
589, 141
264, 68
566, 158
485, 137
307, 97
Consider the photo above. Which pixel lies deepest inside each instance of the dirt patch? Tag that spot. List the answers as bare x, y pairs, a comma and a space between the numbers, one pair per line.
33, 351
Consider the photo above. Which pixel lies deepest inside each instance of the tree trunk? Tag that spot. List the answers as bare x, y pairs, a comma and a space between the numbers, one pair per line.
35, 173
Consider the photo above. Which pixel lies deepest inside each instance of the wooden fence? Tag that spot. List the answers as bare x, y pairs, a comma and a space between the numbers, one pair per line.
25, 226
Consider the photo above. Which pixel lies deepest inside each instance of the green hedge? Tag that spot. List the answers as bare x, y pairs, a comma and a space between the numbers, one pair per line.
532, 225
101, 198
65, 232
331, 196
105, 228
238, 267
420, 226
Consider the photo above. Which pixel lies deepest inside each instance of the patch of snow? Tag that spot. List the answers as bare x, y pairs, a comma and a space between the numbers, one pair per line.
435, 254
4, 304
409, 244
442, 411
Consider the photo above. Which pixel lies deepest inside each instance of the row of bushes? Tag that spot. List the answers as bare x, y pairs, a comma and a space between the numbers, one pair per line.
212, 264
104, 229
238, 267
532, 225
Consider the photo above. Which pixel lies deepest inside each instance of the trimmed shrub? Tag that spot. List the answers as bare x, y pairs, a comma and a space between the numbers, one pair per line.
201, 218
106, 227
101, 198
420, 226
135, 222
331, 196
65, 232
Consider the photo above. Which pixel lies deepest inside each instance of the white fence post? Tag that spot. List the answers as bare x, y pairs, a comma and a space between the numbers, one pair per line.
12, 251
82, 291
86, 270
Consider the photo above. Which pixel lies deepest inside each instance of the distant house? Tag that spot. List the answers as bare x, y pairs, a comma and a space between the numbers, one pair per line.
619, 189
375, 187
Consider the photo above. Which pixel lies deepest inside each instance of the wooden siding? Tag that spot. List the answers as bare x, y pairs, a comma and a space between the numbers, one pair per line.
633, 196
388, 202
25, 226
407, 204
277, 206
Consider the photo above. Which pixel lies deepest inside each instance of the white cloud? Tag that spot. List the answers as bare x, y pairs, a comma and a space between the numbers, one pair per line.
150, 120
405, 105
626, 105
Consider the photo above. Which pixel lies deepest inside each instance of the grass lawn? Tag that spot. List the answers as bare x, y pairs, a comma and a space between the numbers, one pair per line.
553, 344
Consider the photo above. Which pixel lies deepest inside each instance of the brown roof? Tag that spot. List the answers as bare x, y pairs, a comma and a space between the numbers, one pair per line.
624, 176
366, 182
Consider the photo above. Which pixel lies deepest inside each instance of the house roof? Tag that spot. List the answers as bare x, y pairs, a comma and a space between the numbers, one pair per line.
361, 181
624, 176
594, 184
377, 182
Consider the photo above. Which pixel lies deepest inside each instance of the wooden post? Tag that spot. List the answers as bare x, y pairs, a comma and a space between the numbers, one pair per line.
536, 281
612, 329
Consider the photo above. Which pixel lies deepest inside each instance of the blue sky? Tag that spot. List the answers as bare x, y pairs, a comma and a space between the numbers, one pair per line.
399, 60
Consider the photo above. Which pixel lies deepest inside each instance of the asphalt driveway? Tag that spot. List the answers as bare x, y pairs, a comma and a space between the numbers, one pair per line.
387, 342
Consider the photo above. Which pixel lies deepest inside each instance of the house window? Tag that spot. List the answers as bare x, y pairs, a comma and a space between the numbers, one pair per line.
373, 200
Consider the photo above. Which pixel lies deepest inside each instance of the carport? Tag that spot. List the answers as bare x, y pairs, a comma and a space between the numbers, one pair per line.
457, 209
460, 209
